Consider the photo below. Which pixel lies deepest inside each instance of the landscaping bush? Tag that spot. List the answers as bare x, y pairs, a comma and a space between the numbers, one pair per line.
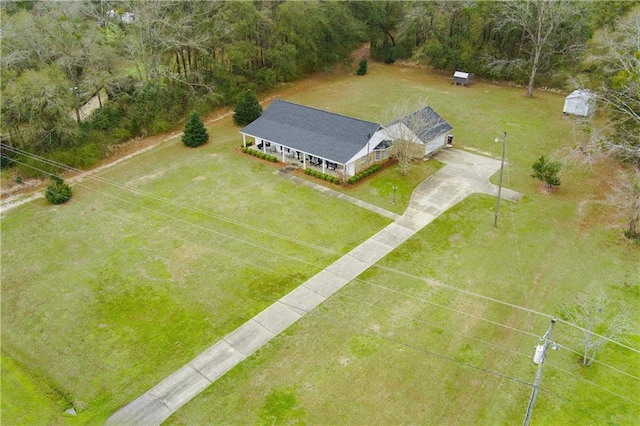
322, 176
359, 176
57, 192
260, 155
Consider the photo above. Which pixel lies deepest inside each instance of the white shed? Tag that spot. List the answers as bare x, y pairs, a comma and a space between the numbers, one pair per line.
580, 102
463, 78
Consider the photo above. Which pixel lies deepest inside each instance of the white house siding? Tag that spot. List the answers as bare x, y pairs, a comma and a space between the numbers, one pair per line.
350, 168
434, 144
377, 137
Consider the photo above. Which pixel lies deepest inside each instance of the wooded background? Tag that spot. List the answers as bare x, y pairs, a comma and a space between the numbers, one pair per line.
158, 60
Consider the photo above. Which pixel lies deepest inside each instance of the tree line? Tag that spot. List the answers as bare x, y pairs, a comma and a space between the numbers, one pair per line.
158, 60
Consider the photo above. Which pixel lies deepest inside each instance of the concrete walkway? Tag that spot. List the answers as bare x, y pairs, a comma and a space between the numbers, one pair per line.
463, 175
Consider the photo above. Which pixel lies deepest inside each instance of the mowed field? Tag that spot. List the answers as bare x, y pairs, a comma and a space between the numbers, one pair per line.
169, 251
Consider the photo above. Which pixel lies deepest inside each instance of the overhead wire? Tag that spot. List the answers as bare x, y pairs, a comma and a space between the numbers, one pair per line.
404, 294
206, 213
515, 236
500, 375
296, 259
576, 376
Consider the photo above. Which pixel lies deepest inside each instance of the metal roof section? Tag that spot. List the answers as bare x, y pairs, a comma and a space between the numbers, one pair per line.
586, 94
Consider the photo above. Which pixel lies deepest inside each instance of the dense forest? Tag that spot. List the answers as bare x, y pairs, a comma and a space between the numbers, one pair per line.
158, 60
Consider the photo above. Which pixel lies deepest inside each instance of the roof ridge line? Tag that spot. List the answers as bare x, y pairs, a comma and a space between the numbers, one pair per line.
329, 112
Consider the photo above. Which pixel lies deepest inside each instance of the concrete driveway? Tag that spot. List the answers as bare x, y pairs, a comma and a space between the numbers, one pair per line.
463, 175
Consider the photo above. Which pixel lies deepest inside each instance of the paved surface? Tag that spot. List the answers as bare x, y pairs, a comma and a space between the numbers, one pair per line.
463, 175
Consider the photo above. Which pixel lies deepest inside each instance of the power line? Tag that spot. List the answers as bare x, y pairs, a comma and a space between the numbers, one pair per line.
576, 376
277, 235
432, 282
341, 324
363, 281
515, 237
414, 347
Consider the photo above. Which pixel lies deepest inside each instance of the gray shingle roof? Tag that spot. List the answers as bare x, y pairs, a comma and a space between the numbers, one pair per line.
325, 134
431, 124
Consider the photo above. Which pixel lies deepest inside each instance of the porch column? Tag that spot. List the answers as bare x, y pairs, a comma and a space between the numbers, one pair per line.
244, 140
324, 162
264, 146
304, 161
283, 160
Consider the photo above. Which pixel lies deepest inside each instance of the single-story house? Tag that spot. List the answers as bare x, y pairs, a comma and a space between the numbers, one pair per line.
580, 102
329, 141
463, 78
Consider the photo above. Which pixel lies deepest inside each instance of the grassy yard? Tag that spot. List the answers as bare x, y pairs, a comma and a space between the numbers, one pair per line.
106, 295
392, 349
103, 297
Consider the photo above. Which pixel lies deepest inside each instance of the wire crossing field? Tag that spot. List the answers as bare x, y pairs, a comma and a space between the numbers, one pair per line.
104, 296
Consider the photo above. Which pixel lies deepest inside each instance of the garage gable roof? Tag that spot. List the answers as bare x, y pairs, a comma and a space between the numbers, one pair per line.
430, 124
325, 134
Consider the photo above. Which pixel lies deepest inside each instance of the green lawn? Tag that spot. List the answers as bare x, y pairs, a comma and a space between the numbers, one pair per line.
103, 297
391, 349
106, 295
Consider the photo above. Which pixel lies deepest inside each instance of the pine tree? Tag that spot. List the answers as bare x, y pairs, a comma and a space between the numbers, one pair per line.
57, 192
247, 109
195, 134
362, 70
547, 172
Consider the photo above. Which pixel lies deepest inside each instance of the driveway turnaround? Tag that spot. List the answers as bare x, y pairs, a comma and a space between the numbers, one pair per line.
463, 175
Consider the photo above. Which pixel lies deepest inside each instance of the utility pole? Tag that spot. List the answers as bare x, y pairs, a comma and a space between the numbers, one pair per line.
539, 358
503, 139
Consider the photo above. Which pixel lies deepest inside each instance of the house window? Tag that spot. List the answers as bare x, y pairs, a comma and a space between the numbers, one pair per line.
363, 159
377, 155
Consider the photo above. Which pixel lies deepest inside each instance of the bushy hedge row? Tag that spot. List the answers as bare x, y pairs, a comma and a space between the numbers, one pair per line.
363, 174
260, 154
323, 176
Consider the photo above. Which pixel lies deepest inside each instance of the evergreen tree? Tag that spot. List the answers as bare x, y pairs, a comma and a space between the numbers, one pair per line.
247, 109
195, 133
547, 172
57, 192
362, 70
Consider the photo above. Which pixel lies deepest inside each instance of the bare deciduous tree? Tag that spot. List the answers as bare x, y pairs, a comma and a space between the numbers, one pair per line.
617, 52
625, 197
539, 21
600, 321
405, 125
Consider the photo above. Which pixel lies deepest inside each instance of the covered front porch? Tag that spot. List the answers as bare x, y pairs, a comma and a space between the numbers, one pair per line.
296, 157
